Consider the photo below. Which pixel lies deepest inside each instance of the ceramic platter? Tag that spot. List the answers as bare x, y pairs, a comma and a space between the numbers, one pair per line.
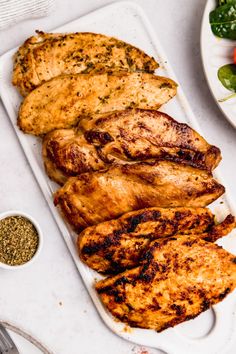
214, 330
215, 53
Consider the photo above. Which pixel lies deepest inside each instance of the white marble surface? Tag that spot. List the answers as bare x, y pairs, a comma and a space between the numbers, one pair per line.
48, 299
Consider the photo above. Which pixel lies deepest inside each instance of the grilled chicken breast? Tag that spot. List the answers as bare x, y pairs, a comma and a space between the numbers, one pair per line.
114, 246
62, 101
95, 197
180, 278
123, 136
66, 153
47, 55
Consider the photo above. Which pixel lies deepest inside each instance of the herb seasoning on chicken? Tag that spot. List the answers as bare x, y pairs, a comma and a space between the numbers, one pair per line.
48, 55
18, 240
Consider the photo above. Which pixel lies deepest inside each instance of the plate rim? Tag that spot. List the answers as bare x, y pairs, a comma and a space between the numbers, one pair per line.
27, 336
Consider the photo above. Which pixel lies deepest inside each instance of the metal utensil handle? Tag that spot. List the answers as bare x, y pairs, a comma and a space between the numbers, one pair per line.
6, 342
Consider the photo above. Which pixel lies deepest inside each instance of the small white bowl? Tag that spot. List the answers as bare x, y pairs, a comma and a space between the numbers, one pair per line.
40, 238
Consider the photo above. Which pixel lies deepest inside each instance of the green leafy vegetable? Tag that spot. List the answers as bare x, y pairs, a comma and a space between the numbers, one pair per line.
227, 98
223, 2
223, 20
227, 76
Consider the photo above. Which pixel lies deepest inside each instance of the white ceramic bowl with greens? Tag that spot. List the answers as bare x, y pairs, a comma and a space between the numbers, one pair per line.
217, 52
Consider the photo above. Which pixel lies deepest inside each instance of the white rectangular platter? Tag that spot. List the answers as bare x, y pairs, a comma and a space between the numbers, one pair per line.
214, 330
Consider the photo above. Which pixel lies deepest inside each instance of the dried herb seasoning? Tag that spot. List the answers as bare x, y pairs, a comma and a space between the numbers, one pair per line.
18, 240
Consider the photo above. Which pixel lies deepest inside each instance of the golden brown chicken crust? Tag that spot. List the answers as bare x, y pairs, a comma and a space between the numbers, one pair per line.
129, 135
67, 153
114, 246
47, 55
180, 278
219, 230
95, 197
62, 101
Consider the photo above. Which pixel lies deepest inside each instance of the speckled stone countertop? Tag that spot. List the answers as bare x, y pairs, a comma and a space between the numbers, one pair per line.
48, 299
